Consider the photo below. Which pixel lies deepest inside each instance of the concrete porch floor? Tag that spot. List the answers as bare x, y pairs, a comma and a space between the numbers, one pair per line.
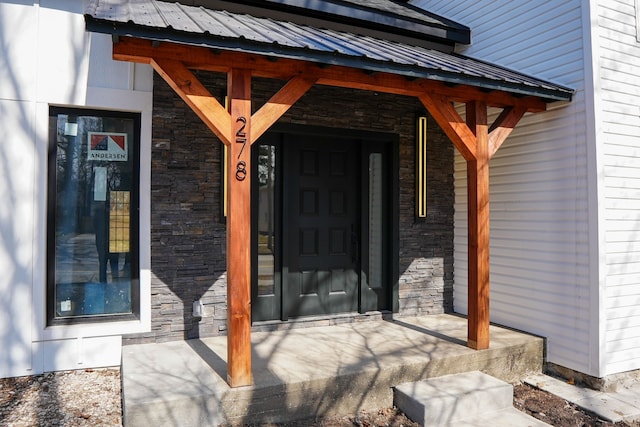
310, 372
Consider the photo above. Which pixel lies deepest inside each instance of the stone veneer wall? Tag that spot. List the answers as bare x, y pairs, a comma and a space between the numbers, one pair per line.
188, 234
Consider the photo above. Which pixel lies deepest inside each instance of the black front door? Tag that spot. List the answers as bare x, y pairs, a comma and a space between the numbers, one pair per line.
324, 241
320, 262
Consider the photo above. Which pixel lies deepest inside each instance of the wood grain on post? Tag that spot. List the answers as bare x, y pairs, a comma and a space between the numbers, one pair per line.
239, 231
478, 223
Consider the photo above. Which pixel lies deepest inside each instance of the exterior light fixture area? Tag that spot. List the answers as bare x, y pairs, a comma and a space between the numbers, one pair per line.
421, 167
198, 309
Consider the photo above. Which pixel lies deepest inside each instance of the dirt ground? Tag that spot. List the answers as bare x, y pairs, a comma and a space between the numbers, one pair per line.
93, 398
537, 403
556, 411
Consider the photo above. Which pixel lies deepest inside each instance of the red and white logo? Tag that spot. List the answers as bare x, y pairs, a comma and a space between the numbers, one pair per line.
108, 146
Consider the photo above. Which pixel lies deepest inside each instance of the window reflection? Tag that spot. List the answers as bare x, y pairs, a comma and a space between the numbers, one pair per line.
93, 176
266, 219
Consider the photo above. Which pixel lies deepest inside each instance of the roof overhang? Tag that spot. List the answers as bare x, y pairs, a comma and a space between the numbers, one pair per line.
222, 30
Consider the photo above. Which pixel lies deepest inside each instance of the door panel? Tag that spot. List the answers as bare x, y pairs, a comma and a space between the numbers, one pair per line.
321, 217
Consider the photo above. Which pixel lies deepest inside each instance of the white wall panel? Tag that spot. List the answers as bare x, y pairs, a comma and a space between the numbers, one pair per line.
18, 33
47, 58
62, 52
16, 235
103, 72
540, 276
81, 352
619, 68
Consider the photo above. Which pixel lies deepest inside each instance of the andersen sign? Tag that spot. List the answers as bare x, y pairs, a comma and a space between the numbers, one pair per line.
107, 146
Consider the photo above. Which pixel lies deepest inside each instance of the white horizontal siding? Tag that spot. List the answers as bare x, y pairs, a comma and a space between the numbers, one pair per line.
540, 275
619, 68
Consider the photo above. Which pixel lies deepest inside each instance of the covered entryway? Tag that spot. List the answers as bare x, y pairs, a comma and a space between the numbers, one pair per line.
333, 190
409, 54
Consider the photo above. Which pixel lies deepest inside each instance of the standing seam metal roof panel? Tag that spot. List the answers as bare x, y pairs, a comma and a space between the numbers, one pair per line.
177, 18
392, 15
222, 29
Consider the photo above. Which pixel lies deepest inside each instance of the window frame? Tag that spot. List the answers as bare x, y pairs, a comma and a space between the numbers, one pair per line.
50, 294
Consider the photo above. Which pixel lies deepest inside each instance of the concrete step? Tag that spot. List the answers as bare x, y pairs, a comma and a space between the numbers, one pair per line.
470, 398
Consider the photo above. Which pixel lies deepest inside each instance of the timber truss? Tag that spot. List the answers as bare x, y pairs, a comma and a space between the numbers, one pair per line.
238, 129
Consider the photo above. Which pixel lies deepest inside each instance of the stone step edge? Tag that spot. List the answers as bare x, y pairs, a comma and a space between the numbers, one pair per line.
451, 398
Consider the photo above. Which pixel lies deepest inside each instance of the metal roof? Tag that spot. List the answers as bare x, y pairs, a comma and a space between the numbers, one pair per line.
390, 16
221, 29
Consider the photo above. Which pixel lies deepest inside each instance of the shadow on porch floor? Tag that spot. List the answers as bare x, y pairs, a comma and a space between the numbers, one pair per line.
301, 373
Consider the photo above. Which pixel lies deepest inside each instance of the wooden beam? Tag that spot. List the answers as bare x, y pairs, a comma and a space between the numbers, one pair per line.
201, 58
189, 88
279, 103
478, 223
239, 231
452, 124
503, 126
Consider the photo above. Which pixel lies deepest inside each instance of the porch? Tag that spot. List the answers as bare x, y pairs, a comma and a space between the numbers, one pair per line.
309, 372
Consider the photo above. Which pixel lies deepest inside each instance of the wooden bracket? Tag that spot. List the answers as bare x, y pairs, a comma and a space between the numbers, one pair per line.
451, 123
503, 126
279, 103
189, 88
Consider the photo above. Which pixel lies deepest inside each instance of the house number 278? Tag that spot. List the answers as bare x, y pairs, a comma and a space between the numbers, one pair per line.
241, 138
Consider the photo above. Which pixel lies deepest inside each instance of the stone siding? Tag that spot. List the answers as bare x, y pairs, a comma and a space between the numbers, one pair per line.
188, 236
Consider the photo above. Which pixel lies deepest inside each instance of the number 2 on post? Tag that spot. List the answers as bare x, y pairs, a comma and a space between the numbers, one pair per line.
241, 138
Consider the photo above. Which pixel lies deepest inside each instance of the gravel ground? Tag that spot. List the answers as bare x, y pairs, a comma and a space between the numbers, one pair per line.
73, 398
93, 398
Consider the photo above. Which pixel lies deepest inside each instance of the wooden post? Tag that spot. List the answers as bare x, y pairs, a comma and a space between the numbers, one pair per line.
478, 233
234, 128
239, 231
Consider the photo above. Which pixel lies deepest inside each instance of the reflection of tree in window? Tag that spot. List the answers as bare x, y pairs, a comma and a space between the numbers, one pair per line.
74, 172
266, 218
266, 179
92, 217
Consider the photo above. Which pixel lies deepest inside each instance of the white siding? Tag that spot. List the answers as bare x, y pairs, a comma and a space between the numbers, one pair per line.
619, 68
542, 275
47, 58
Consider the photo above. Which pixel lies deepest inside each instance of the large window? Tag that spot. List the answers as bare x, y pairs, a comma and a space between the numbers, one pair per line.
92, 251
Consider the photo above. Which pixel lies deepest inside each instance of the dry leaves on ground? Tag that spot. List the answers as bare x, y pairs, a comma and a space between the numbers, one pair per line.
90, 397
73, 398
556, 411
